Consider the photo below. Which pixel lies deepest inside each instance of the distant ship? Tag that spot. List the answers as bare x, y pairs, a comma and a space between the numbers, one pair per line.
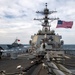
15, 44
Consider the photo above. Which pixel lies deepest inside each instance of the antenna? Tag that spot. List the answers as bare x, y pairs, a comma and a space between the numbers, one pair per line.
45, 19
46, 5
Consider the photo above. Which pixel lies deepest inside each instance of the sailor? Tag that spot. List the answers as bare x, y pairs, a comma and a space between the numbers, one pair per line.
0, 54
43, 46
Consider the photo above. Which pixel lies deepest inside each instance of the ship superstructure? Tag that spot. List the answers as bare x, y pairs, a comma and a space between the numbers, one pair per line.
48, 44
46, 39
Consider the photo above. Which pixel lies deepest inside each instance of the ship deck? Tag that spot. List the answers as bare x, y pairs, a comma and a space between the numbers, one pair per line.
9, 65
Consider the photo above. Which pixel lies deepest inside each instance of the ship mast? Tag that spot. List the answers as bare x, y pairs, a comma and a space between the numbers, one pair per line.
46, 19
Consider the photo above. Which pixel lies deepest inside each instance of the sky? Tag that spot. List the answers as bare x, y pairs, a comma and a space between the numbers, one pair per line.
16, 19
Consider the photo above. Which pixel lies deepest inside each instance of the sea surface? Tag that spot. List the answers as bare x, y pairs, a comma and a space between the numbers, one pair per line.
69, 47
66, 46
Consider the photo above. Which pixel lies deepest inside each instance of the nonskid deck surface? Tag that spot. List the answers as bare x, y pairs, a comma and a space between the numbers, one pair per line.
9, 65
70, 62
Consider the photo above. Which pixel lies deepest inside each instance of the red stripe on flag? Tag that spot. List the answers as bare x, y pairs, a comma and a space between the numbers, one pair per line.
18, 40
64, 24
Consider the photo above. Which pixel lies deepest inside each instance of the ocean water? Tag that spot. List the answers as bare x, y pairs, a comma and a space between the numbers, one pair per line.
65, 47
70, 48
5, 47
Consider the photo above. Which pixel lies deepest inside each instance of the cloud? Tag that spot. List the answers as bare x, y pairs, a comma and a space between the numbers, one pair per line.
16, 18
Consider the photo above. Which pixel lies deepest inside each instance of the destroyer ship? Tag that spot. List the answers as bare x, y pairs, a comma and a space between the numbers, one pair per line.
45, 55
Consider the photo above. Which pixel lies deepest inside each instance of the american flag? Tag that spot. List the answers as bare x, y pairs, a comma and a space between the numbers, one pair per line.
64, 24
18, 40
